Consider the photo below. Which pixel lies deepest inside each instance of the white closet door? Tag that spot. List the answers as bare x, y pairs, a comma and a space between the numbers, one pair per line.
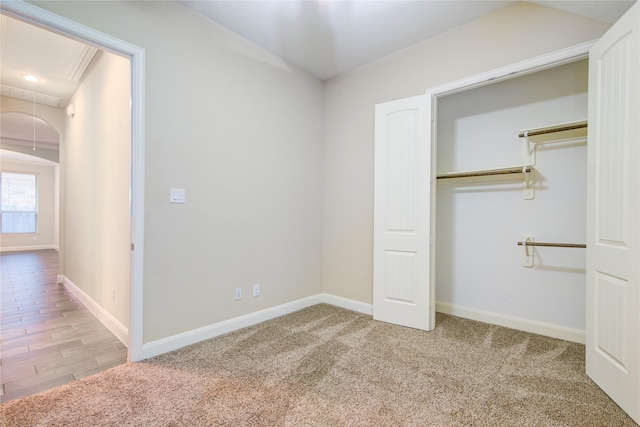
402, 212
613, 214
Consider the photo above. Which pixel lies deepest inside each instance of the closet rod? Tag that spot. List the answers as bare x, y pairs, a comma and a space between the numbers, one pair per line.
487, 172
553, 130
556, 245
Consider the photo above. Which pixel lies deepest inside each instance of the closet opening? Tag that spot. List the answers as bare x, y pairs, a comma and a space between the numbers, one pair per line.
511, 163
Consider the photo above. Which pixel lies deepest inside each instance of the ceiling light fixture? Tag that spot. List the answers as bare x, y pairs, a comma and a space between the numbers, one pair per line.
30, 78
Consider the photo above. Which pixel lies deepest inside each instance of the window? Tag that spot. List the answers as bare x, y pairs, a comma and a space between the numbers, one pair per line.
19, 210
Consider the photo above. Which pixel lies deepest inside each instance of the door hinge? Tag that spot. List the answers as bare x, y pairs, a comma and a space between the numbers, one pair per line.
132, 246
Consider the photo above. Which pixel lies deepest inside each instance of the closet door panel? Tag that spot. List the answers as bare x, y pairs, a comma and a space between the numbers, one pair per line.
401, 147
613, 214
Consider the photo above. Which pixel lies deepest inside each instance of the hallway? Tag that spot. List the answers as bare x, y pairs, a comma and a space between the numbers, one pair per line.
48, 338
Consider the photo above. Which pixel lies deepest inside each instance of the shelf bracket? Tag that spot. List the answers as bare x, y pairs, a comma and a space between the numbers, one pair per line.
527, 252
528, 183
528, 150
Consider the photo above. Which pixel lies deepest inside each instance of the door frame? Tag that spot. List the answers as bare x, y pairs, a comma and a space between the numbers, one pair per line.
57, 24
539, 63
518, 69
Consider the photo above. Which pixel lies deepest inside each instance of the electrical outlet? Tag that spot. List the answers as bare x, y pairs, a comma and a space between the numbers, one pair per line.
238, 294
113, 294
256, 290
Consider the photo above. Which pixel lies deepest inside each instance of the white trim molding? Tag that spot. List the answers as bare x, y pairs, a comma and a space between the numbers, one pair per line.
194, 336
184, 339
347, 303
538, 63
535, 327
100, 313
28, 248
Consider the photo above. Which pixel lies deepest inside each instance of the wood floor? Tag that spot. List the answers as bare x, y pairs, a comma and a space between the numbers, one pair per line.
48, 338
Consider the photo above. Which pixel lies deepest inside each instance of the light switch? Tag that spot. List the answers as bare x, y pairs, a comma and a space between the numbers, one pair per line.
177, 195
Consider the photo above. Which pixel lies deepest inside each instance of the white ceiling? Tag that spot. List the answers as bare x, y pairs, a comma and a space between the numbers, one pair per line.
327, 38
59, 63
323, 37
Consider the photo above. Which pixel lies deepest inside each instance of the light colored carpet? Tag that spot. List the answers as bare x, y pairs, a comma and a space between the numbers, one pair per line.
326, 366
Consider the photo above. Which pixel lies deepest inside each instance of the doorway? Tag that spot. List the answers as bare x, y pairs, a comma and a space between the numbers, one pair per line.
49, 21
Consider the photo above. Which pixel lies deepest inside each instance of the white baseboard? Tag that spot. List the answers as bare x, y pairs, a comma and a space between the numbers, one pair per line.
547, 329
184, 339
100, 313
27, 248
347, 303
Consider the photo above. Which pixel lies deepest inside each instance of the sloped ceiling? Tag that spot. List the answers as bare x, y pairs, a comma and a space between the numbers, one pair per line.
327, 38
323, 37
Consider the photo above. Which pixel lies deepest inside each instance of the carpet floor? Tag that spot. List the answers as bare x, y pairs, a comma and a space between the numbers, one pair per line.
326, 366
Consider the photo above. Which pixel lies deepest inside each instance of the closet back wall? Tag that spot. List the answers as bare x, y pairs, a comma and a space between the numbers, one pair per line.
480, 220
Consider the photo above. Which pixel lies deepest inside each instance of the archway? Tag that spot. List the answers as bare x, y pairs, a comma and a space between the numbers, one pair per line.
25, 133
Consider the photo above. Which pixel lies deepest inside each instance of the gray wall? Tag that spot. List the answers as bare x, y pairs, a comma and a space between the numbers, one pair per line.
513, 34
240, 130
